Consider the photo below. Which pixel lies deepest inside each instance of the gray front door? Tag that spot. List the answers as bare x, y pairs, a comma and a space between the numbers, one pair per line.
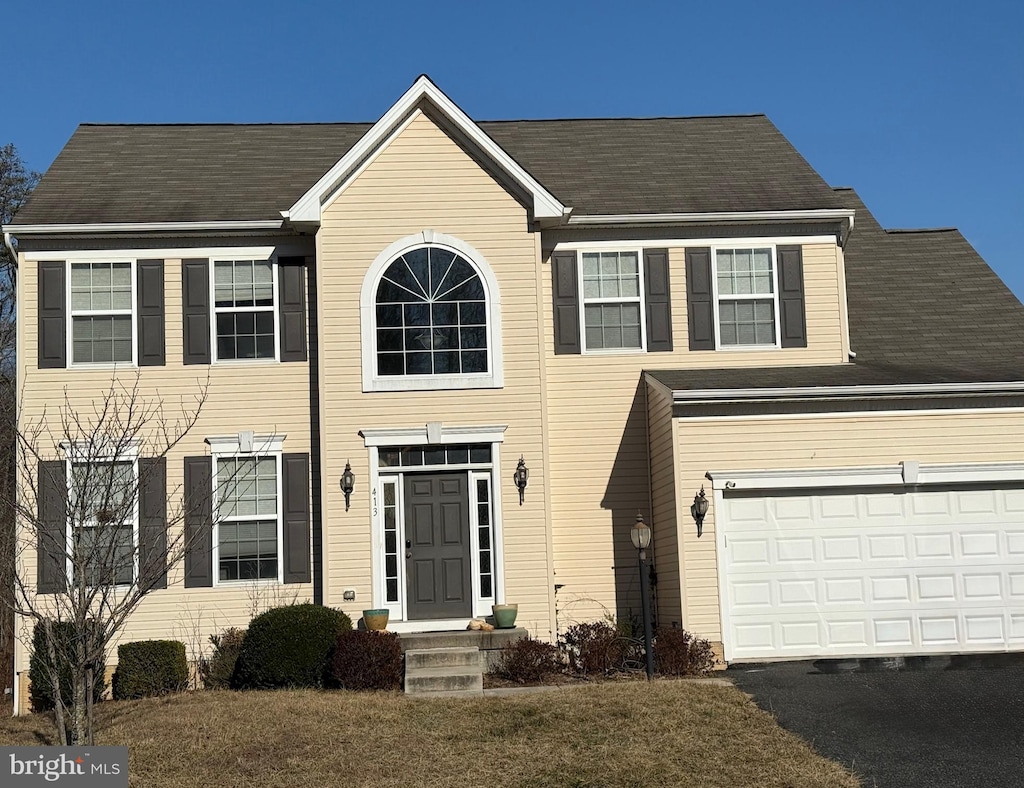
437, 546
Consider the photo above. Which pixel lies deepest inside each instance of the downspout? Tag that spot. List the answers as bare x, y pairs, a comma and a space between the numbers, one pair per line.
9, 243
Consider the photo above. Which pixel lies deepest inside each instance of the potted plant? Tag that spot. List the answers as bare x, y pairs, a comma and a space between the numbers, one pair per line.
504, 615
376, 620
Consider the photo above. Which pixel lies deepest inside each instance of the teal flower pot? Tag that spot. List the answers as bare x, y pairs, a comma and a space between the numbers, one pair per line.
504, 615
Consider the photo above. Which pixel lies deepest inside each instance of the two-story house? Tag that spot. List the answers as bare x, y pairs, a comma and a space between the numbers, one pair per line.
637, 308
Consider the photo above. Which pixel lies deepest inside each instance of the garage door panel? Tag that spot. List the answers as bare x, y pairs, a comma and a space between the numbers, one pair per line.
939, 631
936, 588
980, 545
873, 572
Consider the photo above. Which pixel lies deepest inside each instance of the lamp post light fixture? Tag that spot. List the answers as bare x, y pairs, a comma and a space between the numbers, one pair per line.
640, 534
698, 509
348, 483
521, 477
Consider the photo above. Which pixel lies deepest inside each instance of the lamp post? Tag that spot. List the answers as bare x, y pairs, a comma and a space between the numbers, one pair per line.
640, 534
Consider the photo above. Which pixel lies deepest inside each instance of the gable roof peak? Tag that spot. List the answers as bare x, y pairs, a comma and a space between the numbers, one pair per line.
307, 208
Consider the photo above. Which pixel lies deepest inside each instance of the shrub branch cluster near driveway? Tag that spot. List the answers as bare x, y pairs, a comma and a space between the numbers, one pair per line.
665, 733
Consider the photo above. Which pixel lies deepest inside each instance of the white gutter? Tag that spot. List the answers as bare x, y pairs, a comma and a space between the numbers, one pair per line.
816, 215
141, 227
824, 392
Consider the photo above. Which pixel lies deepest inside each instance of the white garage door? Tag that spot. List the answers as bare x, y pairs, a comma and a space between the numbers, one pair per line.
871, 572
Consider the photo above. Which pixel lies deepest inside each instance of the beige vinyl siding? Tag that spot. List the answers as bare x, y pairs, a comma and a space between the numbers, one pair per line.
423, 180
598, 434
266, 397
819, 442
824, 308
664, 501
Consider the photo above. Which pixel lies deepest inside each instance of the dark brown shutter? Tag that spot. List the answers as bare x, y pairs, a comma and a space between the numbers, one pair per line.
793, 320
295, 484
195, 311
658, 300
152, 522
150, 295
198, 522
700, 307
52, 316
565, 296
52, 531
291, 280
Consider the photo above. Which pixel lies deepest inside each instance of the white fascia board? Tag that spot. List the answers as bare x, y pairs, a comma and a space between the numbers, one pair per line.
818, 214
307, 207
232, 444
875, 476
829, 392
141, 227
170, 253
417, 436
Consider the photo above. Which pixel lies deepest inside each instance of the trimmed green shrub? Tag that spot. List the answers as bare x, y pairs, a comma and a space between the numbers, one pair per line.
217, 669
364, 660
593, 648
528, 661
678, 653
288, 647
41, 689
149, 668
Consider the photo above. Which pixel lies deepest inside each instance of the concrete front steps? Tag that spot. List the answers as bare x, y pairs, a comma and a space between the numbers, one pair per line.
444, 672
452, 664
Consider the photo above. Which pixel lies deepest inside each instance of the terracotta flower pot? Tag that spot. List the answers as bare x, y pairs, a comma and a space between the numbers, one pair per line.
504, 615
375, 620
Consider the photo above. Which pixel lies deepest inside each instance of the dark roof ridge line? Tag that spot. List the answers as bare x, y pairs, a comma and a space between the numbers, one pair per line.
912, 230
233, 124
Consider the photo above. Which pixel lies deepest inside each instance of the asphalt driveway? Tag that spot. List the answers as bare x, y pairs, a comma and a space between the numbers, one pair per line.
943, 725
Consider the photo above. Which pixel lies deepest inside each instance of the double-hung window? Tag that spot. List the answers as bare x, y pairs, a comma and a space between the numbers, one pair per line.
102, 325
248, 517
104, 520
612, 303
747, 295
244, 309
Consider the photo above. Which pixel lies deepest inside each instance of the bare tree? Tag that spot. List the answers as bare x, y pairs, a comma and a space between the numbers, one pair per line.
94, 514
16, 184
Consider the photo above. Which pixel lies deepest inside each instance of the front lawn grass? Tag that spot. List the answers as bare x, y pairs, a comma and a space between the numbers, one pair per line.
666, 733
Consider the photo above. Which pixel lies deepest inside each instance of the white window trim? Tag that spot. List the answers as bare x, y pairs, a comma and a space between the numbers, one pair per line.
492, 379
230, 447
215, 310
374, 439
745, 244
133, 312
80, 452
482, 604
640, 299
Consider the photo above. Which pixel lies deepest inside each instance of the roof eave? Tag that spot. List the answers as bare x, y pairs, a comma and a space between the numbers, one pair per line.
715, 217
19, 230
694, 396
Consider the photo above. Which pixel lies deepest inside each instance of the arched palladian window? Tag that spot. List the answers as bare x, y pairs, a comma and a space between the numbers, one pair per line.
431, 315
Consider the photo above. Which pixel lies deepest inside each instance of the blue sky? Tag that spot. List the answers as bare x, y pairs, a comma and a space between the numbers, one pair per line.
918, 105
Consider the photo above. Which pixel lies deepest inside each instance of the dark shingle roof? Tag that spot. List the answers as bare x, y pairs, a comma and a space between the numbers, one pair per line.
924, 308
928, 299
144, 173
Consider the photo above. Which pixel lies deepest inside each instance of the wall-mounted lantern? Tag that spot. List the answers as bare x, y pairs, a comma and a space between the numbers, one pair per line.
521, 477
698, 509
348, 483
